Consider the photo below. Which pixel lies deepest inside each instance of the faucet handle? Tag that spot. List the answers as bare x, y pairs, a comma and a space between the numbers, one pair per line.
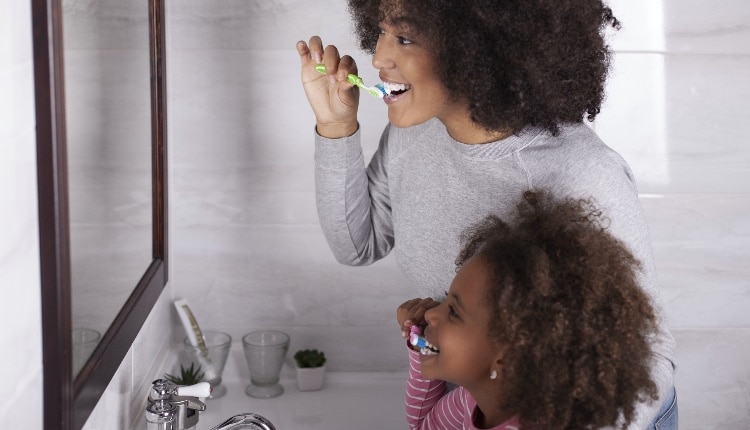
160, 412
201, 389
173, 407
162, 389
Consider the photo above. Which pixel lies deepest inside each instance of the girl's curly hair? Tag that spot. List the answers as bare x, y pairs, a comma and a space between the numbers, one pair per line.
565, 299
518, 63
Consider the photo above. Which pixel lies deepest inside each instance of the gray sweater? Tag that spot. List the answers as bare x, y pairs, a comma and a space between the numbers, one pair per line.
422, 189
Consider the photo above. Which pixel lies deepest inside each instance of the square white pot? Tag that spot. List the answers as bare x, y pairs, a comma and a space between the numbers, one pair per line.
310, 378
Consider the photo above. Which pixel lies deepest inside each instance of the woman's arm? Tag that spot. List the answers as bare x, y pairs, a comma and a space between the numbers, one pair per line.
353, 202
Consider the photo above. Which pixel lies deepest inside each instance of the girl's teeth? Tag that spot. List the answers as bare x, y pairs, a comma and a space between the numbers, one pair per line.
426, 351
429, 349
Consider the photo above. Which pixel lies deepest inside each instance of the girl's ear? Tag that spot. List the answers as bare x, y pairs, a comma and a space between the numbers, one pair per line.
497, 364
501, 351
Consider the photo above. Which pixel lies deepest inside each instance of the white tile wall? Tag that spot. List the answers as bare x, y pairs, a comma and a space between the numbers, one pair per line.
248, 249
676, 110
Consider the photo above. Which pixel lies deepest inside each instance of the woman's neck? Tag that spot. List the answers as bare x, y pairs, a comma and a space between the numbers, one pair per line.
464, 130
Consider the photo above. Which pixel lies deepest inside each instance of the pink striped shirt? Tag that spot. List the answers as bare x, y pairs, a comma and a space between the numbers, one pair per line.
430, 407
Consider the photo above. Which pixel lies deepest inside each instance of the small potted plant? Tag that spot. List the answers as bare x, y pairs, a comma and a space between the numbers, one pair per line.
311, 369
188, 376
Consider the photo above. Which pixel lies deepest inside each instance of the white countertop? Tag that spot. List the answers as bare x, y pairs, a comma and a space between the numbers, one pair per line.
359, 401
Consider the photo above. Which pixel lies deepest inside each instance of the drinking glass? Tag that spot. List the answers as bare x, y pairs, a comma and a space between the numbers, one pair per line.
212, 357
265, 351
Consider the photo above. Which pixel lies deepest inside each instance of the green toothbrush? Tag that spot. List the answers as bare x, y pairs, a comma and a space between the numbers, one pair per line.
375, 91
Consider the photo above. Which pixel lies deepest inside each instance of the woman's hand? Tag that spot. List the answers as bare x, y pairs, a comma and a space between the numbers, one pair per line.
334, 100
412, 312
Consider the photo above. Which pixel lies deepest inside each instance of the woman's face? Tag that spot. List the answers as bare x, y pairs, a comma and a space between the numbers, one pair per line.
459, 329
409, 67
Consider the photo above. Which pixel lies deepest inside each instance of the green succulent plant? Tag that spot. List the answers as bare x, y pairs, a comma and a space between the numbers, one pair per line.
188, 376
306, 358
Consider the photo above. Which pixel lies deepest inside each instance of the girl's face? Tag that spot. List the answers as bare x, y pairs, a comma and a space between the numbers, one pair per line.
458, 328
406, 64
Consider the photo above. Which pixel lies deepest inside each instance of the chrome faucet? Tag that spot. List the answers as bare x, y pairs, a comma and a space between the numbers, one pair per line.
247, 421
172, 407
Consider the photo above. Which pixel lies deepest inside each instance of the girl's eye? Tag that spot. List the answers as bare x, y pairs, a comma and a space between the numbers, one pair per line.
452, 312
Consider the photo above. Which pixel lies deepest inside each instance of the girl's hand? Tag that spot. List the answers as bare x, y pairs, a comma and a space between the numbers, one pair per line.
412, 312
334, 100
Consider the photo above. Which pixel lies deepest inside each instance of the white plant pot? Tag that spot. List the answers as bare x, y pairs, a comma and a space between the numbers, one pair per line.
311, 378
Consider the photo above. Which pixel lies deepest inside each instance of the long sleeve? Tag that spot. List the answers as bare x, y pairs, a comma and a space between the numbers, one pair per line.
353, 202
428, 406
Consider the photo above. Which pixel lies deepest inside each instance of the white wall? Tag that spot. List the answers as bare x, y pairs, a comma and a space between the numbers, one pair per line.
248, 250
20, 312
677, 110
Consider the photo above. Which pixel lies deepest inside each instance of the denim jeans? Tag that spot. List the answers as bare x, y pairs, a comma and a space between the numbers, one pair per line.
666, 419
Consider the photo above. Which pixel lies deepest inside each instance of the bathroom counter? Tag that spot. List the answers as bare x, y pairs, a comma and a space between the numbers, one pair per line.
358, 401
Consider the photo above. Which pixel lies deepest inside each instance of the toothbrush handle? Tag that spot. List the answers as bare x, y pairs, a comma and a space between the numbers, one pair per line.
356, 80
351, 77
376, 91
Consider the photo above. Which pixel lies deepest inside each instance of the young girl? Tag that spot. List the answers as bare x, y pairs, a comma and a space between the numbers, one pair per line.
543, 327
488, 100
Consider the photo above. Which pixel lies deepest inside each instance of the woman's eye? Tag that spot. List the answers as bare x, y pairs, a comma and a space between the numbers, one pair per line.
404, 41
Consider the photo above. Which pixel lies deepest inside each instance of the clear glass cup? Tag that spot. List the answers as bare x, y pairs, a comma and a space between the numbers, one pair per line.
212, 359
84, 344
265, 352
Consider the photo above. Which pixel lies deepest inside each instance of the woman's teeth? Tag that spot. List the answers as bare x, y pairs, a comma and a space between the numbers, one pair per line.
393, 89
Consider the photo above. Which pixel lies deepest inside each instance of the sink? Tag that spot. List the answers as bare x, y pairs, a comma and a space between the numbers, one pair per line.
246, 421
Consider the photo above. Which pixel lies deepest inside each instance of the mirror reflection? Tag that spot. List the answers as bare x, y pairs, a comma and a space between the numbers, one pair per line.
107, 93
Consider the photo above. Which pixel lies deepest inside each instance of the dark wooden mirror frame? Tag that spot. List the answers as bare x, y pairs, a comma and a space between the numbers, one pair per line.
68, 402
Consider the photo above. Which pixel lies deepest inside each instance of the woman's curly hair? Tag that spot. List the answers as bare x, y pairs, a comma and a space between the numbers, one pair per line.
518, 63
565, 299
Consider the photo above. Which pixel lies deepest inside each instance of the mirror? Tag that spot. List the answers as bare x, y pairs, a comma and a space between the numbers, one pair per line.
81, 182
107, 118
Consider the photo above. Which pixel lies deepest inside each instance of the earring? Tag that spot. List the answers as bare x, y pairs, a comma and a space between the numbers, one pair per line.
493, 374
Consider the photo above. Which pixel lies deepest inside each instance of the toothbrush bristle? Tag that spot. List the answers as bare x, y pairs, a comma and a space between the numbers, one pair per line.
380, 90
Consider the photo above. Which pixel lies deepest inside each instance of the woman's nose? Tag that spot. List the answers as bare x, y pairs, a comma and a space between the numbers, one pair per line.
382, 58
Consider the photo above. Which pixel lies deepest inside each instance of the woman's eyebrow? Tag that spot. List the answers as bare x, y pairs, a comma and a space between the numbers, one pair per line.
401, 23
